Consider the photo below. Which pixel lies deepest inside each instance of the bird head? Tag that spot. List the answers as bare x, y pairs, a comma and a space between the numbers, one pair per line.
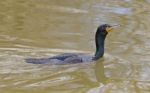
106, 28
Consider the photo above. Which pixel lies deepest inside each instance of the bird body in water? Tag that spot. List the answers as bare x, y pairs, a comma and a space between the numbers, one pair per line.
65, 58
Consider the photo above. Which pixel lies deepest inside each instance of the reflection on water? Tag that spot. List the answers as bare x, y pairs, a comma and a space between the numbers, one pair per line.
43, 28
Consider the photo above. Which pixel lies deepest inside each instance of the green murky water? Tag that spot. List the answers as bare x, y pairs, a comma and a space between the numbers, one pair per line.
42, 28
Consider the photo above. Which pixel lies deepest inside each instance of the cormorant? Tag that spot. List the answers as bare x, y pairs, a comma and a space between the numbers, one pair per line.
65, 58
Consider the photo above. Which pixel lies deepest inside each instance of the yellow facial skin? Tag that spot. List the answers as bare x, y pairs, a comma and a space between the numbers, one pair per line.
109, 29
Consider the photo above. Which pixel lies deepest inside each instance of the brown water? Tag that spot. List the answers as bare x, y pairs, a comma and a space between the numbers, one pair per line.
42, 28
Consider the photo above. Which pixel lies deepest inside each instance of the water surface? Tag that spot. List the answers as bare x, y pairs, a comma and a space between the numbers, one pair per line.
43, 28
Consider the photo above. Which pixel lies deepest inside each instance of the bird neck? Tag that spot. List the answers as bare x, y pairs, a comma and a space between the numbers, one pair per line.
100, 42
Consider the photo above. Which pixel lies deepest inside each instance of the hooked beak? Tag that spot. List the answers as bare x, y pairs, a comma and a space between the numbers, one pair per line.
109, 29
